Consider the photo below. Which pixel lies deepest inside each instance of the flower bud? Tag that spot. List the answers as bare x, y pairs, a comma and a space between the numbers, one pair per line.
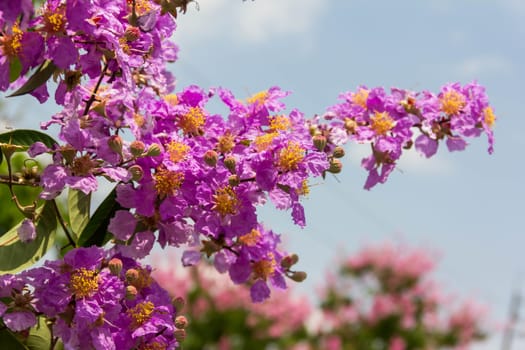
115, 266
298, 276
335, 166
132, 33
137, 148
115, 143
289, 261
319, 142
230, 163
211, 157
132, 275
136, 172
154, 150
131, 292
339, 152
181, 322
234, 180
350, 126
178, 303
180, 334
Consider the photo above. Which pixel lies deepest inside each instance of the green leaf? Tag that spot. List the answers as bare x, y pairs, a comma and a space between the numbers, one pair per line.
42, 74
10, 341
39, 336
96, 231
15, 67
24, 137
78, 204
16, 255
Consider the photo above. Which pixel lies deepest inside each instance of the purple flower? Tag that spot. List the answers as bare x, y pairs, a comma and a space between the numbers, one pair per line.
19, 320
27, 231
122, 225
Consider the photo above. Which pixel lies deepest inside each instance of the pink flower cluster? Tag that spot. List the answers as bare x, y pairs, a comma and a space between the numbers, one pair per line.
385, 291
208, 293
383, 297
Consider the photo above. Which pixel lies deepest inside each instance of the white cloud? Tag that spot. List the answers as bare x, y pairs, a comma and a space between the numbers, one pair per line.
485, 64
248, 21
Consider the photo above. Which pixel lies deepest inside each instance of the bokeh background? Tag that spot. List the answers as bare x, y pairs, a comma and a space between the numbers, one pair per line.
467, 206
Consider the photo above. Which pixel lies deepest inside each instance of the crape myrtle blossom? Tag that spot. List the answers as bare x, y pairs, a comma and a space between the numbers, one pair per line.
185, 176
211, 300
384, 292
77, 35
95, 302
393, 122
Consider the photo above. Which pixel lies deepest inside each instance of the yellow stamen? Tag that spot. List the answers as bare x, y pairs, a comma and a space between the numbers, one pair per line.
140, 313
360, 97
153, 346
304, 190
171, 99
11, 44
452, 102
141, 6
258, 98
55, 20
225, 201
139, 120
167, 182
83, 282
381, 123
489, 116
192, 121
290, 156
226, 143
280, 123
264, 268
263, 142
177, 151
250, 239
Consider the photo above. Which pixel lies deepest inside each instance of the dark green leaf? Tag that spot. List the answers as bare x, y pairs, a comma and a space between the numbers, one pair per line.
39, 338
42, 74
23, 137
16, 255
15, 67
10, 341
78, 204
96, 231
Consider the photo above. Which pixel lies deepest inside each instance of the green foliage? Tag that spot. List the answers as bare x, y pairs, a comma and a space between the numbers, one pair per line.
15, 68
25, 138
39, 78
10, 215
16, 255
38, 338
78, 204
96, 232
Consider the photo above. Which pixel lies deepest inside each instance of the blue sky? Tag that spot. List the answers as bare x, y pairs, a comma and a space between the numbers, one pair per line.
466, 205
